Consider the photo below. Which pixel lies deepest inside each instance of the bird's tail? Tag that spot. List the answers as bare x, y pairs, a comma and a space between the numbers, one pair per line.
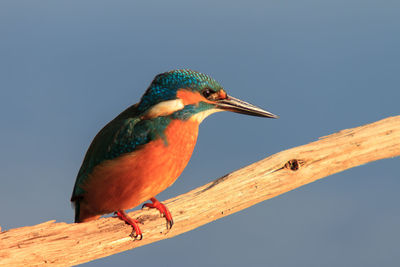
77, 205
82, 214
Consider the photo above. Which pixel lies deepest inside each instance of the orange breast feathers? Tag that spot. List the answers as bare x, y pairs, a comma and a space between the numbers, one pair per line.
125, 182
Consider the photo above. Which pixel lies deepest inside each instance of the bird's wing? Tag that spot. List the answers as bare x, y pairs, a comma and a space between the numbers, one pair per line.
117, 137
122, 135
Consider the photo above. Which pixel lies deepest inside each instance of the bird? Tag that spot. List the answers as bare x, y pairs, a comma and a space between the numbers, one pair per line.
143, 150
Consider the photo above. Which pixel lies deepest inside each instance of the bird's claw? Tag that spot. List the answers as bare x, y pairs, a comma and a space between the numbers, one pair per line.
136, 236
164, 212
136, 233
147, 205
169, 223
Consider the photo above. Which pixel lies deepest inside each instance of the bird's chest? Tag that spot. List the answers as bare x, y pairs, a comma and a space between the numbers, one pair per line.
160, 162
169, 156
135, 177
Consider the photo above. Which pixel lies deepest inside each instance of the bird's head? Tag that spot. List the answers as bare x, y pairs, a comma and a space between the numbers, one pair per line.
187, 94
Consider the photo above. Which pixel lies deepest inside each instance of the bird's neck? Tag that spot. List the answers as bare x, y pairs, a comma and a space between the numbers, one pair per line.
200, 116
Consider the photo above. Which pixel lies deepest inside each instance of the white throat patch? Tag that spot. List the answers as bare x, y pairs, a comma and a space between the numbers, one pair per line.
199, 117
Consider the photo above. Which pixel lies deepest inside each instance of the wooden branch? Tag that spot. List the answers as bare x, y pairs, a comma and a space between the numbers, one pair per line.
69, 244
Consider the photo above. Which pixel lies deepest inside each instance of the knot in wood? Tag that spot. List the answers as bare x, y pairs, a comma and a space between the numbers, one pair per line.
293, 164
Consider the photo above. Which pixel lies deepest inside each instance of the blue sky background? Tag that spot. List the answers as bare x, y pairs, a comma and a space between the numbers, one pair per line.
68, 67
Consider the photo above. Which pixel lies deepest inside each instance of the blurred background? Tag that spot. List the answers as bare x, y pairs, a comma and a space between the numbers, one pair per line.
69, 67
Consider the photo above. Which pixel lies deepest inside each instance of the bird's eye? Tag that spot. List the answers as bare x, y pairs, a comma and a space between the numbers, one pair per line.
207, 92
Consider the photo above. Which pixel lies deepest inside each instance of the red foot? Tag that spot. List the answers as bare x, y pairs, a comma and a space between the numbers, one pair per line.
163, 210
136, 232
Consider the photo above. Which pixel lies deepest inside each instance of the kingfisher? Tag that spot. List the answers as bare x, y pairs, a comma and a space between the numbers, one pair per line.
144, 149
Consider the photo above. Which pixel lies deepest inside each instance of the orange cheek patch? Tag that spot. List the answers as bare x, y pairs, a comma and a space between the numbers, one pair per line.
189, 97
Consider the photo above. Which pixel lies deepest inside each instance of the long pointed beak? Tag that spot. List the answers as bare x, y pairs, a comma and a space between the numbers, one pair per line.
236, 105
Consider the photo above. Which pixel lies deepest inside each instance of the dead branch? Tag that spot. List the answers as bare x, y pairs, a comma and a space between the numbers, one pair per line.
70, 244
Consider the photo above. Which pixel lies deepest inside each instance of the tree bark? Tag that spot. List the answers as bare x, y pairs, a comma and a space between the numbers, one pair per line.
70, 244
